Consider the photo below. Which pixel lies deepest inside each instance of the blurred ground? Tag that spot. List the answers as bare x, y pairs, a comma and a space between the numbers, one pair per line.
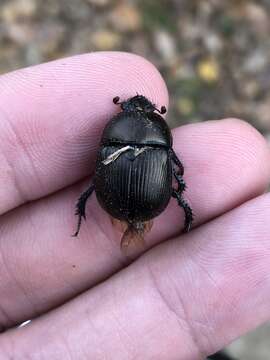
254, 346
214, 56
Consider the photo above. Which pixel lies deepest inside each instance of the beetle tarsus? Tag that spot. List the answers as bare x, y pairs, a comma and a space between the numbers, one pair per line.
80, 207
187, 209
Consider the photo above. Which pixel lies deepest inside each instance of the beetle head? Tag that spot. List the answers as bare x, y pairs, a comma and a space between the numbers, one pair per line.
138, 103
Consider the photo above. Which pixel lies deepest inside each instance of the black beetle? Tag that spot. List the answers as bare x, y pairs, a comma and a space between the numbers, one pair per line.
135, 168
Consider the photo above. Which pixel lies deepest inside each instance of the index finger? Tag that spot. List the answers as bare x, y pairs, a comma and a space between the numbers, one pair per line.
51, 117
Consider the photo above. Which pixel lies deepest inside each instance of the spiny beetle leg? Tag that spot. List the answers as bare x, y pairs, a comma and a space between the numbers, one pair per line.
80, 206
177, 162
180, 181
187, 209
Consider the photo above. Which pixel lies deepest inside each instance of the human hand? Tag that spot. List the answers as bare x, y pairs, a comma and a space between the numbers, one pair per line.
188, 295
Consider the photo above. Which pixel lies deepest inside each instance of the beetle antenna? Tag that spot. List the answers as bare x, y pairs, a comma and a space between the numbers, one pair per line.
116, 100
162, 111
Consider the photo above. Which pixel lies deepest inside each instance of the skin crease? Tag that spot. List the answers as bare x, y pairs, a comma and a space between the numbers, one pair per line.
182, 299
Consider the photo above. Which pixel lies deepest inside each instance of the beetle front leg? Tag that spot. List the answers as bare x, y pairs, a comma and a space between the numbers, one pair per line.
187, 209
177, 162
80, 207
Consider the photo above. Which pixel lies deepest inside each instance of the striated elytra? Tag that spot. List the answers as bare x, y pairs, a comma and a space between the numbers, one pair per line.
135, 168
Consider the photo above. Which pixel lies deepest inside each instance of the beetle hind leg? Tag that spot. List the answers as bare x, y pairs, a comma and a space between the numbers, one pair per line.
187, 209
80, 207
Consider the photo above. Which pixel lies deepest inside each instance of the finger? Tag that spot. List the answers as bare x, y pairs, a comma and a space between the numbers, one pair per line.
42, 266
52, 115
182, 300
226, 163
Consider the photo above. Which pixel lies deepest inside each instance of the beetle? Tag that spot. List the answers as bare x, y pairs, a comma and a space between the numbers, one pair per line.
135, 168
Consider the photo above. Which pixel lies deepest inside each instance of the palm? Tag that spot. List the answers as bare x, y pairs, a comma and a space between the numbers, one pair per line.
184, 298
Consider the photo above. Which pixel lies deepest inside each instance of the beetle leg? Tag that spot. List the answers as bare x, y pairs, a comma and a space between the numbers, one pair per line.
177, 162
180, 181
80, 206
187, 209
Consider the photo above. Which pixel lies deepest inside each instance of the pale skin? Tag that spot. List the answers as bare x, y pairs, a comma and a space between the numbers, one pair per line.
188, 295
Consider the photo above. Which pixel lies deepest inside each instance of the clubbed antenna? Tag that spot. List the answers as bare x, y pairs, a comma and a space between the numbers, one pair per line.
116, 100
162, 111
